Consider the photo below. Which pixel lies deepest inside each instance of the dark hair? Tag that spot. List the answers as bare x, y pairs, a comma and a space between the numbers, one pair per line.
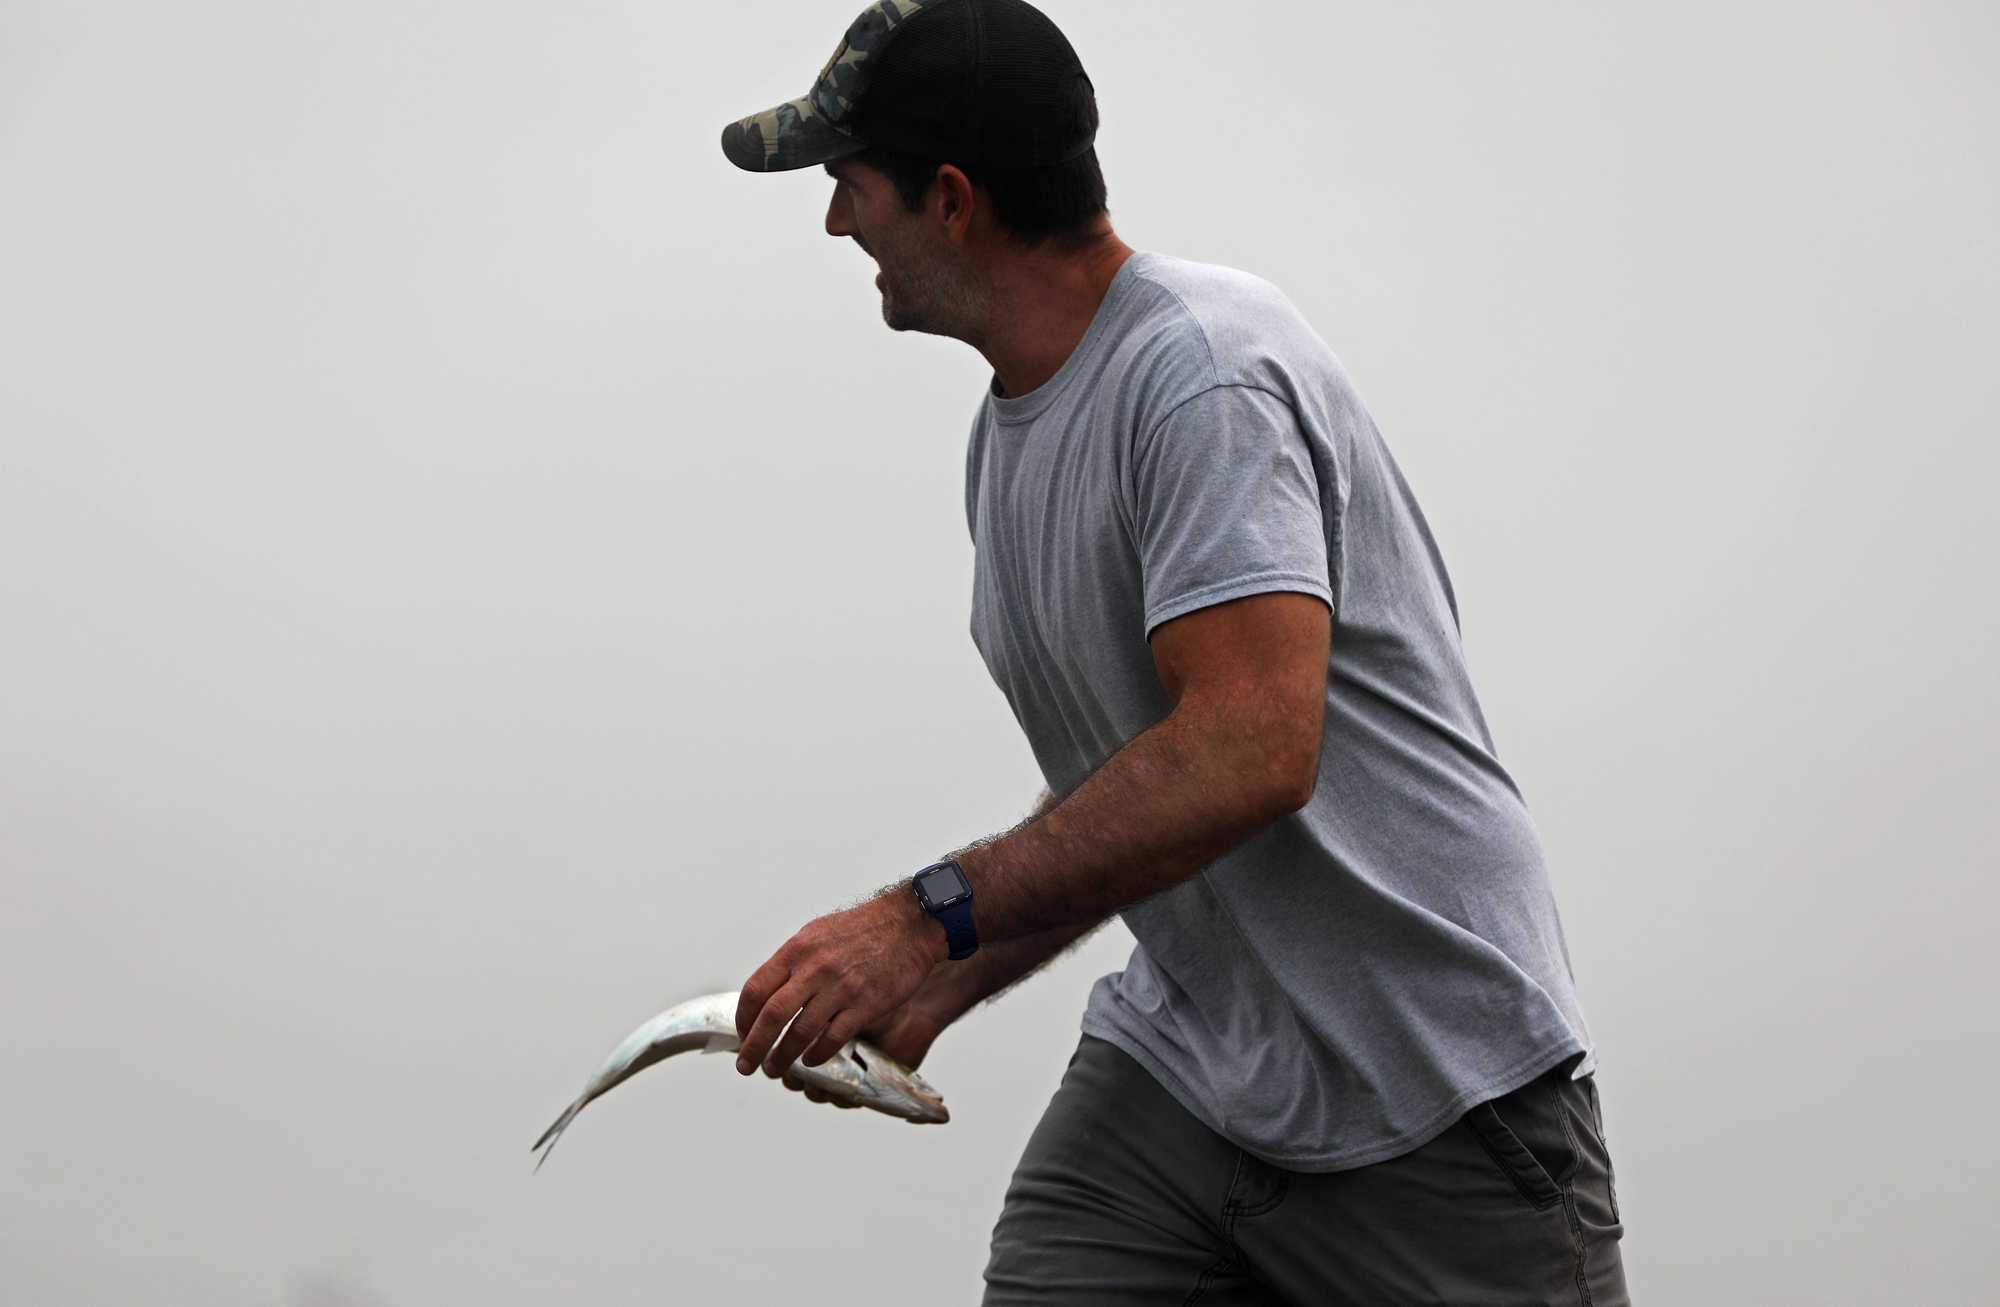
1057, 203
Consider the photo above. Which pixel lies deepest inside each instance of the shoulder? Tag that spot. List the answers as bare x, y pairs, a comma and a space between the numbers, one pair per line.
1202, 325
1236, 312
1217, 326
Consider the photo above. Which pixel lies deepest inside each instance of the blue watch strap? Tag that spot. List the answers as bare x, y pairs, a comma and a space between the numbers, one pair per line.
957, 921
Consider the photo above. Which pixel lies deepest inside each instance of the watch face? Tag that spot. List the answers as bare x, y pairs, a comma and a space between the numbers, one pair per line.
943, 884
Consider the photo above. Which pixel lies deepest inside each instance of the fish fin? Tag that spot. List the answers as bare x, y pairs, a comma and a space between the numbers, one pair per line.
722, 1044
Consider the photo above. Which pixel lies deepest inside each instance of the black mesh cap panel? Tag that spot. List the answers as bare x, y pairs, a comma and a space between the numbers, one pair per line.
990, 82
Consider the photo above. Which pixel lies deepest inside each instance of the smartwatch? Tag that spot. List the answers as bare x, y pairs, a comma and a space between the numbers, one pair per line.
945, 894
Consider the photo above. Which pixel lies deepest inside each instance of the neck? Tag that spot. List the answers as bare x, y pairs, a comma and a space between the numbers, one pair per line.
1041, 306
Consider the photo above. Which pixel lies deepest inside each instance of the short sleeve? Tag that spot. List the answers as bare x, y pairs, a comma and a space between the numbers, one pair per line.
1226, 504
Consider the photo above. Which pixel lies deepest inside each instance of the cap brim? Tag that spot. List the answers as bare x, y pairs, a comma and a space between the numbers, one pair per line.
792, 135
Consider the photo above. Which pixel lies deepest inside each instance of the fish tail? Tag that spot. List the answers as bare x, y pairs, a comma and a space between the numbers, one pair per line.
554, 1132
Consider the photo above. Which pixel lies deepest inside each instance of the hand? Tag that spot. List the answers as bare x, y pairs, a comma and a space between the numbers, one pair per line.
905, 1035
838, 974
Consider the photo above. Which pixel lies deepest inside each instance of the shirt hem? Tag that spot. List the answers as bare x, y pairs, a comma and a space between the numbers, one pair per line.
1521, 1073
1237, 589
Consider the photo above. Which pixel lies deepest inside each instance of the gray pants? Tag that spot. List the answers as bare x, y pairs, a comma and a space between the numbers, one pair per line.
1122, 1197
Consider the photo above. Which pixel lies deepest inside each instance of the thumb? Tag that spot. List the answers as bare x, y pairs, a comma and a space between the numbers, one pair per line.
907, 1035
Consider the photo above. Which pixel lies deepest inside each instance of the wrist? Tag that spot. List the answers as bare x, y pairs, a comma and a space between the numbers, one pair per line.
923, 931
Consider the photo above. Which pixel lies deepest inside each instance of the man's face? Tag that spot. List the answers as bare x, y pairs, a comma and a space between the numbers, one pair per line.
923, 288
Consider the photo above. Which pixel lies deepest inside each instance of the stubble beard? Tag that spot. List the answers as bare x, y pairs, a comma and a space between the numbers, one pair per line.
934, 297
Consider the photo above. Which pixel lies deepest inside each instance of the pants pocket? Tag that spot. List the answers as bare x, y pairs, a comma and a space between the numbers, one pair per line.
1524, 1133
1610, 1172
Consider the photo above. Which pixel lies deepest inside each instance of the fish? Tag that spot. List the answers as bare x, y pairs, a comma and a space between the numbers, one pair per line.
859, 1073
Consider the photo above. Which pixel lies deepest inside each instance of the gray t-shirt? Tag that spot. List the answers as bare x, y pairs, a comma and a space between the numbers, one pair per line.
1340, 987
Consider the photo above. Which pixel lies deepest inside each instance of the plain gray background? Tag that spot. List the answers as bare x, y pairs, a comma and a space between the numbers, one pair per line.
477, 569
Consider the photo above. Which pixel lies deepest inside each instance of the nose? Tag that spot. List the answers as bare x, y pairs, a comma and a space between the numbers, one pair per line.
839, 216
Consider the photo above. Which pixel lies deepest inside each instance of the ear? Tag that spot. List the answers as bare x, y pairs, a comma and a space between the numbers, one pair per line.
952, 200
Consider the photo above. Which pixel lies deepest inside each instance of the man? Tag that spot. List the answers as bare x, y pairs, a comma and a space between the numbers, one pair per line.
1346, 1062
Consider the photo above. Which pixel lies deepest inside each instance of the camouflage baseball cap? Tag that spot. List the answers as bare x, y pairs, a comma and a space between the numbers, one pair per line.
973, 81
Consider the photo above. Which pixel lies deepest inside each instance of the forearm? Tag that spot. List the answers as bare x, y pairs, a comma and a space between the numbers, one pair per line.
954, 988
1177, 796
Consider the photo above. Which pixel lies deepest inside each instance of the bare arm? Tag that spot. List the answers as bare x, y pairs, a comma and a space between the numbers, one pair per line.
1239, 747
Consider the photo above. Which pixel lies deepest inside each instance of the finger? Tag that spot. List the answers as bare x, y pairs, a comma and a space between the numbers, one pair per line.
791, 1081
835, 1099
782, 1007
804, 1030
834, 1037
757, 990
